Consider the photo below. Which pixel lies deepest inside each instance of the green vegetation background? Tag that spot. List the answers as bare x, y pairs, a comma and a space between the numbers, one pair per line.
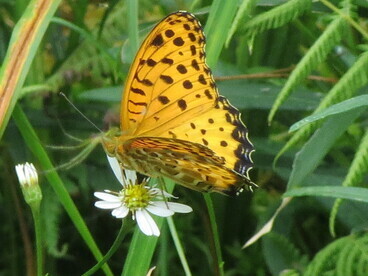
286, 59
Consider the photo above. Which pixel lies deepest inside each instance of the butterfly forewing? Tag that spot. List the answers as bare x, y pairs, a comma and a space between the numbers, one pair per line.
170, 94
165, 76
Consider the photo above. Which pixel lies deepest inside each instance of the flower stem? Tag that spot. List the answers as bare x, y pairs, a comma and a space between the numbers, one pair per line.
178, 246
109, 254
34, 144
35, 207
216, 238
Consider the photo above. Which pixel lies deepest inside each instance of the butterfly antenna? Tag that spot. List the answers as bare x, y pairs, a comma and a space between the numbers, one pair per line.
80, 112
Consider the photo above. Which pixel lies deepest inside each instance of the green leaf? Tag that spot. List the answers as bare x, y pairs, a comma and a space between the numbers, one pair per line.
256, 95
317, 147
25, 39
351, 193
106, 94
217, 27
344, 106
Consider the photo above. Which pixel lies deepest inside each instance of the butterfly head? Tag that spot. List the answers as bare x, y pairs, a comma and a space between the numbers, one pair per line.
109, 140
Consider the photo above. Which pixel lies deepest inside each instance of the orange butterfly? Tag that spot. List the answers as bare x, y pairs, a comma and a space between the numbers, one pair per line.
173, 121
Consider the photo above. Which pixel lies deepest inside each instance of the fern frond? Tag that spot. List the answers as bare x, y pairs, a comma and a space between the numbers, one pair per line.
276, 17
315, 55
325, 259
357, 170
343, 263
350, 82
345, 256
244, 11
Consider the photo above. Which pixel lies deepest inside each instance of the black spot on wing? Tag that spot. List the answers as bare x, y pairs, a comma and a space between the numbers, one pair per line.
167, 79
182, 104
158, 40
163, 99
138, 91
169, 33
178, 41
202, 80
195, 64
150, 62
208, 94
187, 84
167, 61
192, 37
181, 69
193, 50
138, 103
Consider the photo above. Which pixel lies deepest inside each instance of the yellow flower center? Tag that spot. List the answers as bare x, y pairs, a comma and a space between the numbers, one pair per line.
136, 196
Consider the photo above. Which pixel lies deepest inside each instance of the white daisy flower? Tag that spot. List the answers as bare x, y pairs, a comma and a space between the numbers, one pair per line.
139, 199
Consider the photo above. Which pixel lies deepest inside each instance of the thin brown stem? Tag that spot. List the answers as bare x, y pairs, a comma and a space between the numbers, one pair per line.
28, 250
274, 74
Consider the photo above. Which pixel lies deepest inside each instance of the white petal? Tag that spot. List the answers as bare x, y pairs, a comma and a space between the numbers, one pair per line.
115, 166
107, 197
20, 173
107, 204
32, 171
131, 176
120, 212
160, 210
173, 206
147, 225
179, 208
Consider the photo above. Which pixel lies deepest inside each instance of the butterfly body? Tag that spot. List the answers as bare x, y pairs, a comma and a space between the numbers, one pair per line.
173, 121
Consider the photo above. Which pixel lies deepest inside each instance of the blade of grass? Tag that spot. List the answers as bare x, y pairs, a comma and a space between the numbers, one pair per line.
179, 247
23, 45
133, 27
317, 147
218, 24
244, 11
33, 143
215, 235
351, 193
341, 107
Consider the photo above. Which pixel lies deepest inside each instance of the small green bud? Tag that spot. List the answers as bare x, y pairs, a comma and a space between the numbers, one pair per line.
28, 179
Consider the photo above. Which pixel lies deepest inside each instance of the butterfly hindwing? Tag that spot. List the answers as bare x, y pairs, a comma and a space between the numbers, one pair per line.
190, 164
